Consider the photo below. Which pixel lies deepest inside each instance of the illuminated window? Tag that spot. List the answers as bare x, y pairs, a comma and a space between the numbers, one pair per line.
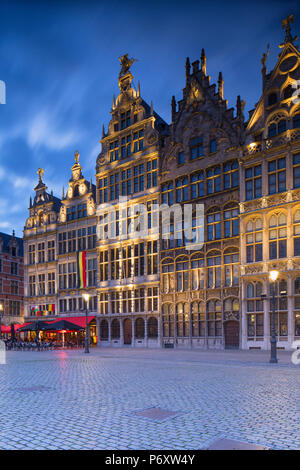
253, 182
277, 236
297, 233
126, 182
196, 148
296, 170
103, 190
281, 316
254, 237
167, 275
214, 318
213, 219
138, 180
114, 186
231, 266
182, 189
197, 185
152, 173
197, 271
182, 274
182, 319
168, 320
138, 141
114, 151
255, 316
213, 177
231, 221
198, 319
213, 261
277, 175
231, 175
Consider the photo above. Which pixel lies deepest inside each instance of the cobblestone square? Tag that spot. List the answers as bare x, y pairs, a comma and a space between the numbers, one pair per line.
69, 400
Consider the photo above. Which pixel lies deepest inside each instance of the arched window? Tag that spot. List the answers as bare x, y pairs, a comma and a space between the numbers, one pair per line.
231, 220
196, 148
115, 329
168, 320
167, 275
255, 316
152, 326
297, 233
277, 236
182, 273
272, 99
231, 264
281, 316
296, 121
104, 329
139, 327
198, 319
167, 193
214, 318
213, 219
198, 274
272, 131
254, 237
213, 269
182, 319
277, 128
213, 180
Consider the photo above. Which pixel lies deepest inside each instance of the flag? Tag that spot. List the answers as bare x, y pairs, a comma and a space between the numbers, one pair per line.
81, 269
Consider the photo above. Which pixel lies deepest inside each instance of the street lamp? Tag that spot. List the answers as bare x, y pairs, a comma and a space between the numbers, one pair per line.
86, 297
1, 315
273, 277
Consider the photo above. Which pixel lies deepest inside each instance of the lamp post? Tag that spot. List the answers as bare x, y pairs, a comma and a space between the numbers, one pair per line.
1, 315
86, 297
273, 359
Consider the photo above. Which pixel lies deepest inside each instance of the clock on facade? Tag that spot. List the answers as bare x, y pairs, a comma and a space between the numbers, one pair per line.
82, 188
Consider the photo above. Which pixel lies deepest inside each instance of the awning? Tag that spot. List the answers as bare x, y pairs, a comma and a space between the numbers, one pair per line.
80, 321
5, 329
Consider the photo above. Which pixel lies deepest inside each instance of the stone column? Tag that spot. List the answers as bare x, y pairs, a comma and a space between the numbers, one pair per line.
267, 306
243, 315
132, 329
98, 330
121, 332
159, 330
290, 306
146, 332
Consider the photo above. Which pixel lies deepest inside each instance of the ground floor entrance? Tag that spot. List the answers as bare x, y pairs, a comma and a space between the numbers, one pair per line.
231, 333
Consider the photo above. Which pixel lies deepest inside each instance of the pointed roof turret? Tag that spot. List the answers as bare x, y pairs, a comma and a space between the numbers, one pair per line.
203, 61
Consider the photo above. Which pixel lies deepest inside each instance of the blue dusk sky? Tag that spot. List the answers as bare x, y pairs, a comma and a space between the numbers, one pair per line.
59, 60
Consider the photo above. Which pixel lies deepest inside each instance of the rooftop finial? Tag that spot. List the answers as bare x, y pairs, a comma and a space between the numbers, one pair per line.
76, 156
203, 61
103, 131
220, 86
138, 89
40, 172
187, 68
286, 25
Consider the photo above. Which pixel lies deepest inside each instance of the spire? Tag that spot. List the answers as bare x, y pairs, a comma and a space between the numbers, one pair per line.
203, 61
138, 89
286, 25
63, 193
114, 102
240, 105
30, 202
220, 86
187, 69
91, 184
173, 106
13, 234
151, 109
103, 131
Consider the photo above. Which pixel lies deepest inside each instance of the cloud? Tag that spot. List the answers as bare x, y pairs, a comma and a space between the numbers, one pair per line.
43, 132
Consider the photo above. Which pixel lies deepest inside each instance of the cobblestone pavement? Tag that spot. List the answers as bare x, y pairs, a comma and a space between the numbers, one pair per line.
69, 400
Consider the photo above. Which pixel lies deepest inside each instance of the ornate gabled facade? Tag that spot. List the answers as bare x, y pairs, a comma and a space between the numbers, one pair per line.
270, 204
158, 288
128, 172
200, 285
55, 231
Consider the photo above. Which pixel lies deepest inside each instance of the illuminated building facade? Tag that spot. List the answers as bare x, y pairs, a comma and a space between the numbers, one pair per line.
55, 231
154, 289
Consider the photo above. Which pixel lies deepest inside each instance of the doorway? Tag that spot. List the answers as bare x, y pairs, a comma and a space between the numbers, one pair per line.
231, 331
127, 331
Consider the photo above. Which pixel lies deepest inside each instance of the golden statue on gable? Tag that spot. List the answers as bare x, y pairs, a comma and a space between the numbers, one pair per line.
125, 64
